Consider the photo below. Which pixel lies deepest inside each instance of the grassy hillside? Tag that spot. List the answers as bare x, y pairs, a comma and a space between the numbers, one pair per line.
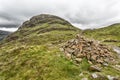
34, 52
110, 34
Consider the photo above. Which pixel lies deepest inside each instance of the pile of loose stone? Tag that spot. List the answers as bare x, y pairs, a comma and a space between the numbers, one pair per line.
79, 48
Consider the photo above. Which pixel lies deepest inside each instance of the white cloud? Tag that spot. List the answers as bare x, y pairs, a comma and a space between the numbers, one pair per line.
8, 29
89, 13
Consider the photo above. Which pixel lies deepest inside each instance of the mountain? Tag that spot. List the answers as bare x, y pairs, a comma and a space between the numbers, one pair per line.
35, 52
3, 34
109, 34
43, 28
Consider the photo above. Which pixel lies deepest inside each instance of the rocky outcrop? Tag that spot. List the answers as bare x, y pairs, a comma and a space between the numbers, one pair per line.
80, 48
44, 18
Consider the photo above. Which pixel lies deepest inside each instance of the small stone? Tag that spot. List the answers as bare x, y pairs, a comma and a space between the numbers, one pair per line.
70, 50
101, 52
100, 61
67, 55
84, 79
88, 57
71, 41
81, 74
117, 67
61, 49
95, 68
89, 62
78, 60
73, 47
105, 64
94, 75
76, 41
94, 57
111, 78
106, 59
79, 55
98, 76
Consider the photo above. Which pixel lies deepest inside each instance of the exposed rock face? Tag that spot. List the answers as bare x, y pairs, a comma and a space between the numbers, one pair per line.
80, 48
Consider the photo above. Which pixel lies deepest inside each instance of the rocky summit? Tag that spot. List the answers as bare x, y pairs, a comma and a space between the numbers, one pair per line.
44, 18
80, 48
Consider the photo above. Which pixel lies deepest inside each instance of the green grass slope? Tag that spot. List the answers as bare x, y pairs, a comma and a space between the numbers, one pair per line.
109, 35
32, 52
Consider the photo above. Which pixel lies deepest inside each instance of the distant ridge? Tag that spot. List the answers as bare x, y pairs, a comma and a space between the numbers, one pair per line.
3, 34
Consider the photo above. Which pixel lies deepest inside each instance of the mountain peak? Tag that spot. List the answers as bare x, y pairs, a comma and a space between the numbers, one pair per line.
44, 18
36, 27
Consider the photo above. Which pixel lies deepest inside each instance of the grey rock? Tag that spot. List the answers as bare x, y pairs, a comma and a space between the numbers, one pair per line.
97, 76
95, 68
84, 79
112, 77
94, 75
78, 60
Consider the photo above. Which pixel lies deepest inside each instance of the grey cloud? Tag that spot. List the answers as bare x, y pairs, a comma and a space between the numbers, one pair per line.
90, 13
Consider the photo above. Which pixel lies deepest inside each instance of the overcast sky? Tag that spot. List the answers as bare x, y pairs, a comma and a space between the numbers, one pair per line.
82, 13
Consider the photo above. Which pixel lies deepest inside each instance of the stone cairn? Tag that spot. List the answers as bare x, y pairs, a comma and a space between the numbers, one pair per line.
79, 48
